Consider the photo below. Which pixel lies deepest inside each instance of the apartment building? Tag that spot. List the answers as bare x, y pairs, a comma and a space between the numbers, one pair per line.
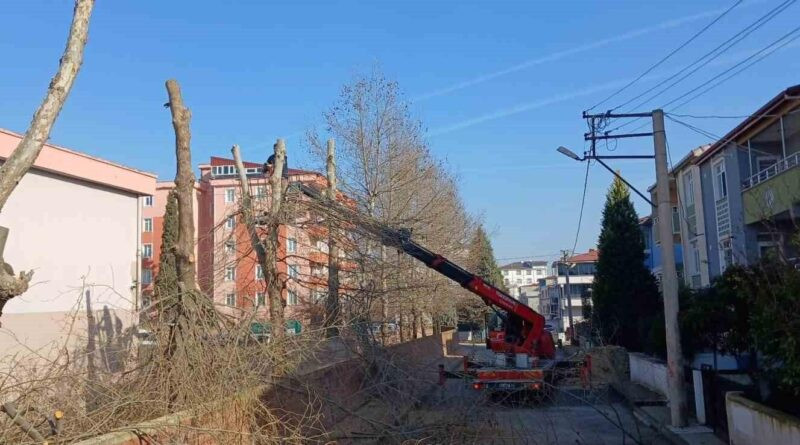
74, 220
522, 273
553, 292
226, 264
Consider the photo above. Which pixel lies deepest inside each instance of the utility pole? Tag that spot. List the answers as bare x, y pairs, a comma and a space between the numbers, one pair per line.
669, 280
568, 292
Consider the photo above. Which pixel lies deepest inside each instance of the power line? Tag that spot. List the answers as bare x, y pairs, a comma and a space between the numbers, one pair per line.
708, 57
763, 53
717, 116
736, 73
583, 202
550, 255
665, 58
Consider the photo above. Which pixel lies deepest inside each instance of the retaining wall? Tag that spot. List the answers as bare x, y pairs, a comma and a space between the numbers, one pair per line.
228, 422
649, 372
751, 423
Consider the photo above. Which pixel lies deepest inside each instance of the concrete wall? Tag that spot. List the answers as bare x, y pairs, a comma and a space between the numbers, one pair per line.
81, 240
649, 372
753, 423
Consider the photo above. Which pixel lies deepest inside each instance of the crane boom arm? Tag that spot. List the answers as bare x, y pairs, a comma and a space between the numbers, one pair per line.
525, 327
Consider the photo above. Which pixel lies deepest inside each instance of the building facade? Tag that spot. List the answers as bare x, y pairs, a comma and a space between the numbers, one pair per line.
746, 191
227, 268
522, 273
75, 221
555, 296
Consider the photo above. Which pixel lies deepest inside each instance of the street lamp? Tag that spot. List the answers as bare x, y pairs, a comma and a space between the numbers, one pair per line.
569, 153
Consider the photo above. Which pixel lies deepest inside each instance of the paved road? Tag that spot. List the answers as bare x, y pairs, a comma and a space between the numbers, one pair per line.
572, 417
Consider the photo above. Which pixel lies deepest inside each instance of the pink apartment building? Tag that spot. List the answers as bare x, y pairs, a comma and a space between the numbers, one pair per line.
226, 264
75, 220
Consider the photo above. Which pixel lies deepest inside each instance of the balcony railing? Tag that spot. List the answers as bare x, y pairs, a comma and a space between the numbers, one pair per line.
773, 170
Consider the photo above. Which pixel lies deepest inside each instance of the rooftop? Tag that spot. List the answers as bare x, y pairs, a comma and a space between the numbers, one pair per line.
765, 113
588, 257
74, 164
524, 265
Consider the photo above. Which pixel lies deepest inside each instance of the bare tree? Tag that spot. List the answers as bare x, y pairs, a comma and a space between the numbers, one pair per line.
25, 154
332, 318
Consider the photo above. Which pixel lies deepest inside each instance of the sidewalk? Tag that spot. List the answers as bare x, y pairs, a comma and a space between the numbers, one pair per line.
652, 410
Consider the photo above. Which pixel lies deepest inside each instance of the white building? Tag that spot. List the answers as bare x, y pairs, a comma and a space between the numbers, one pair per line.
553, 302
522, 273
75, 220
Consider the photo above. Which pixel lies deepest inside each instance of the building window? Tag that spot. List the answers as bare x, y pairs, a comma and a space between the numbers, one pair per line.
259, 272
676, 221
720, 182
291, 245
260, 299
321, 245
261, 193
505, 272
528, 272
230, 247
148, 201
230, 222
291, 298
293, 272
148, 224
519, 280
147, 251
147, 276
230, 299
506, 281
230, 195
230, 273
319, 296
695, 259
725, 255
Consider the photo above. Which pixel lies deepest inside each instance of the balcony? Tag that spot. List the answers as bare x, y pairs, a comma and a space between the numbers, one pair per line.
772, 191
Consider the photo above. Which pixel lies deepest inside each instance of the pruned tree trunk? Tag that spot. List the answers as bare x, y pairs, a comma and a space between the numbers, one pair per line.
184, 187
275, 287
26, 152
251, 221
332, 318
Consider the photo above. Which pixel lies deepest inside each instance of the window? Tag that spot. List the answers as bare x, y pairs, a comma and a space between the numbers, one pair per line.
506, 281
291, 245
317, 270
519, 280
529, 280
230, 247
261, 193
230, 299
688, 203
293, 271
260, 299
695, 259
319, 296
221, 170
322, 246
505, 272
676, 221
291, 298
259, 272
230, 195
148, 201
148, 224
230, 273
147, 276
720, 182
725, 255
230, 222
147, 251
528, 272
688, 189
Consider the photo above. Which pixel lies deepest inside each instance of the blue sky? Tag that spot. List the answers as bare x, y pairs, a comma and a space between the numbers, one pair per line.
498, 84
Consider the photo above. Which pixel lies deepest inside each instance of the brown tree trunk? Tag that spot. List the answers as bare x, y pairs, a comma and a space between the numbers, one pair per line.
184, 187
275, 287
332, 318
26, 152
250, 219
